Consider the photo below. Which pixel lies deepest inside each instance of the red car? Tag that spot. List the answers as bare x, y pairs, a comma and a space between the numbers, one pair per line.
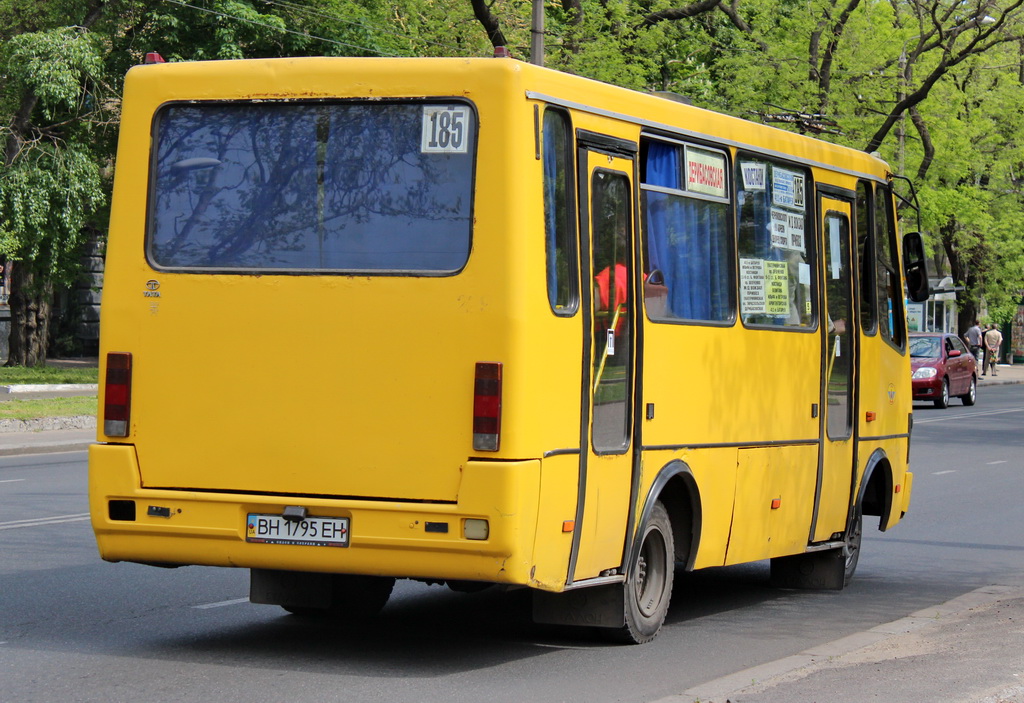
943, 366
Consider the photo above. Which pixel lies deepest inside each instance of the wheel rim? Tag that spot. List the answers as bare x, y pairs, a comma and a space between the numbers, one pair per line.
974, 389
945, 392
651, 573
853, 543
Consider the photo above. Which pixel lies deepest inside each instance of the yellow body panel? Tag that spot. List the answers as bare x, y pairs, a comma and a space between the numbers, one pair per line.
352, 395
774, 502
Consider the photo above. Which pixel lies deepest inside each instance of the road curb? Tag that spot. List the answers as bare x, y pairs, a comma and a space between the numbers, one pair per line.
48, 388
45, 448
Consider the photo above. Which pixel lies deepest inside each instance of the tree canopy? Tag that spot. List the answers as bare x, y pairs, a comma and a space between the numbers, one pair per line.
933, 85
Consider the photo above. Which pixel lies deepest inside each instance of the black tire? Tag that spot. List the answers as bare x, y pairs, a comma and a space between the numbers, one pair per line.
942, 402
353, 599
851, 550
648, 586
972, 395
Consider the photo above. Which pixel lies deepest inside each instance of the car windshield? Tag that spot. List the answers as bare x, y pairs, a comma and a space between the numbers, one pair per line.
924, 347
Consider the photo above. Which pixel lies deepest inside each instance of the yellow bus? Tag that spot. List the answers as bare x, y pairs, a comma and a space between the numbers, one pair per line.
478, 322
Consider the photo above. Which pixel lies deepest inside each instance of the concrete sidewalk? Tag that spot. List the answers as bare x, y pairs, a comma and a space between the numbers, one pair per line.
44, 441
967, 650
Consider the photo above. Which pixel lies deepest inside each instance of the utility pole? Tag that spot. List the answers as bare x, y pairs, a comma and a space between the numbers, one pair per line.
537, 34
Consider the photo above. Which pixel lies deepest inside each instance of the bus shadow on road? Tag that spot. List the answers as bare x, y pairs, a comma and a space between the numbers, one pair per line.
430, 631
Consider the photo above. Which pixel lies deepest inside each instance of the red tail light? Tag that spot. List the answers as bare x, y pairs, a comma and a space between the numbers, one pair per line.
487, 407
117, 403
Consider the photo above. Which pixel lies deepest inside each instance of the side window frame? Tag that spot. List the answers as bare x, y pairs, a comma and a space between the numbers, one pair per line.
718, 284
866, 231
556, 152
887, 266
748, 167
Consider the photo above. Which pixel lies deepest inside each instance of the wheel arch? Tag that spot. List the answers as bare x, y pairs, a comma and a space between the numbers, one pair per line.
875, 494
677, 490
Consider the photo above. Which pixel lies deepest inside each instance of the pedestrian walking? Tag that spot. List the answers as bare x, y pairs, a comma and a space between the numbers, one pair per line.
973, 339
993, 342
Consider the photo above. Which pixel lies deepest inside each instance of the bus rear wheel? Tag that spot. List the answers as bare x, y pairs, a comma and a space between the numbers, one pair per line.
851, 547
648, 587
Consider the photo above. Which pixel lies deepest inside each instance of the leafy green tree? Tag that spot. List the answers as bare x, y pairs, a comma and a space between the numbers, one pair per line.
53, 99
934, 85
63, 64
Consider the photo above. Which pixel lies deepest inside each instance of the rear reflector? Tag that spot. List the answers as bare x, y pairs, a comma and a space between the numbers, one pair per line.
487, 407
117, 397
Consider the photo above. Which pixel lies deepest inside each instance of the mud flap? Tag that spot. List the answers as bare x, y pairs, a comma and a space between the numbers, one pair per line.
290, 588
815, 570
598, 606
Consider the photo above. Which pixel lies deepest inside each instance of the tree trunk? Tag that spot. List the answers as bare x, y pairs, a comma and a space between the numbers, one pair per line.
483, 14
31, 299
963, 274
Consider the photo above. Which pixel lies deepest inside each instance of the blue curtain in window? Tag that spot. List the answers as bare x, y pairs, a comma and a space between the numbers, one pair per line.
662, 168
687, 240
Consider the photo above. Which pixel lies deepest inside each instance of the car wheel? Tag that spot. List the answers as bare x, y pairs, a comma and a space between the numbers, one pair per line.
943, 400
972, 393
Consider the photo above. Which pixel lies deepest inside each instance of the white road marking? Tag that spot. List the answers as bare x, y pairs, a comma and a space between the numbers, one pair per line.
939, 473
11, 480
37, 522
966, 415
221, 604
995, 463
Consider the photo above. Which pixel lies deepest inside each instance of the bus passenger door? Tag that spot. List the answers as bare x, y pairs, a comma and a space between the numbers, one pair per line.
838, 326
606, 427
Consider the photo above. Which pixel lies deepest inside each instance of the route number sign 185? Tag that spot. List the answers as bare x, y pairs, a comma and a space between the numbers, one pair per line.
445, 129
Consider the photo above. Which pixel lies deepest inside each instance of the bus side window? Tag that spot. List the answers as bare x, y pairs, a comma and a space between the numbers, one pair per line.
776, 244
866, 257
687, 234
888, 287
559, 213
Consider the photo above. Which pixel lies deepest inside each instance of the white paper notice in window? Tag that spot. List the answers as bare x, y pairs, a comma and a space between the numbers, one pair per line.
755, 175
752, 288
788, 230
705, 173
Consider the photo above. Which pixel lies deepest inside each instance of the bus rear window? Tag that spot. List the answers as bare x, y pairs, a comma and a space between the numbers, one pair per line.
352, 186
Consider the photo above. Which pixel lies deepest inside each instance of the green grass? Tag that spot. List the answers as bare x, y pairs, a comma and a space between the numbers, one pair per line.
47, 407
15, 375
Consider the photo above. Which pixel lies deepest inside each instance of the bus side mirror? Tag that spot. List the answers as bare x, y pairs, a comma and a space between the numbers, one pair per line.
914, 268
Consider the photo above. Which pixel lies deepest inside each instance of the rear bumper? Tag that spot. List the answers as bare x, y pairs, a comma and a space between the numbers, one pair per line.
387, 538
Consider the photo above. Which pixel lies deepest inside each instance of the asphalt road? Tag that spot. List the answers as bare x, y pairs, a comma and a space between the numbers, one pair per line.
75, 628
